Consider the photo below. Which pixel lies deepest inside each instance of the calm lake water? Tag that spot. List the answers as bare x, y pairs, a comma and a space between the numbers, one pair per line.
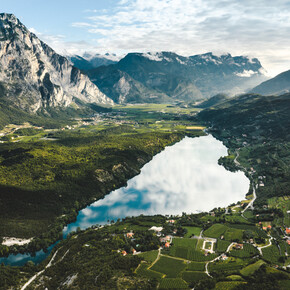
184, 177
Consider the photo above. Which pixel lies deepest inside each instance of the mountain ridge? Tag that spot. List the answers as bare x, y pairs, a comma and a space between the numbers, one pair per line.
169, 77
278, 85
34, 76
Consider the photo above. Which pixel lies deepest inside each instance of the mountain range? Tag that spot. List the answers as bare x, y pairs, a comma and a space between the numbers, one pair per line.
34, 78
168, 77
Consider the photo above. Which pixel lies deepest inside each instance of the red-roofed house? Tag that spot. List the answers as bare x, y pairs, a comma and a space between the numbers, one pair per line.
167, 245
124, 253
264, 228
269, 227
130, 235
288, 231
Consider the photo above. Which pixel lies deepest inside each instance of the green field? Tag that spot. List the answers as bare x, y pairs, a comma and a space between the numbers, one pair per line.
173, 283
271, 254
215, 231
233, 235
222, 245
186, 249
169, 266
196, 266
228, 285
228, 265
192, 231
145, 272
247, 251
149, 256
191, 276
250, 269
184, 242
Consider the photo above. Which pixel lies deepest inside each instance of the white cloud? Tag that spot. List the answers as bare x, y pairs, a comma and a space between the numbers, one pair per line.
246, 74
257, 28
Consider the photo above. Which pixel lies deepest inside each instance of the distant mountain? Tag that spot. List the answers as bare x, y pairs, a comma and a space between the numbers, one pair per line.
275, 86
90, 61
122, 88
171, 77
215, 100
33, 77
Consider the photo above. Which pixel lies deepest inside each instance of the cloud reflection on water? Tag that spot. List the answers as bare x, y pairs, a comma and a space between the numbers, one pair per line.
183, 178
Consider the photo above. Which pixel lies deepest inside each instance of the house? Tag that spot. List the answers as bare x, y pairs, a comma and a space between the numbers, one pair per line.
288, 231
171, 221
134, 251
264, 228
124, 253
212, 213
288, 241
130, 235
156, 229
238, 246
269, 227
167, 245
224, 257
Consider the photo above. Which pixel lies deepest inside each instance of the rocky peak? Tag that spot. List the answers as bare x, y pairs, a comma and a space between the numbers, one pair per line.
35, 76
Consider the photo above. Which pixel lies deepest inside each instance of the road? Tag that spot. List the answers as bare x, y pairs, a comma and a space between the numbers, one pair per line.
251, 203
39, 273
270, 243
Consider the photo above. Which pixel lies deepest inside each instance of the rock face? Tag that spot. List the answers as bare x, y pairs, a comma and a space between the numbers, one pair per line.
34, 77
276, 86
168, 77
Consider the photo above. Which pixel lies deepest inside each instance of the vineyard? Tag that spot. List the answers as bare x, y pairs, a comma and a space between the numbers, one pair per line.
145, 272
196, 266
149, 256
222, 246
169, 266
215, 231
191, 276
271, 254
171, 283
247, 251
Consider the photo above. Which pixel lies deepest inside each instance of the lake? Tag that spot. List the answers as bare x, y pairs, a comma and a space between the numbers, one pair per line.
184, 177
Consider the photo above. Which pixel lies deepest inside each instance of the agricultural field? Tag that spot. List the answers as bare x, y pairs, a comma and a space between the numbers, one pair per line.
191, 276
196, 266
250, 269
222, 245
271, 254
169, 266
189, 250
229, 265
247, 251
228, 285
215, 231
173, 283
192, 231
149, 256
143, 271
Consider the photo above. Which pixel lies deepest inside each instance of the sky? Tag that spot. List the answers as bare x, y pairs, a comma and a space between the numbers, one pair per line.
256, 28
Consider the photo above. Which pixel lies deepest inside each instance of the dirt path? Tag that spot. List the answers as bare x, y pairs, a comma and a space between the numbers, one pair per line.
39, 273
157, 258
